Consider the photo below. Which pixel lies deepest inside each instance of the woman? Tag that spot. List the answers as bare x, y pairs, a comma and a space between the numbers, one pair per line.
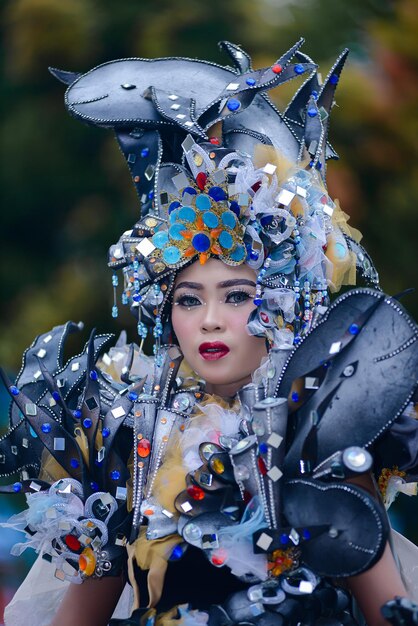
233, 260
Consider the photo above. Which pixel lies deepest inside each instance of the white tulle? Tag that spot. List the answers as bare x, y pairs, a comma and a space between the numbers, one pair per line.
39, 596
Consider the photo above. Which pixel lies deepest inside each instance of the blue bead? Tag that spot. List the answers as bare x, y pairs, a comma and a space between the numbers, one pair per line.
14, 390
225, 239
201, 242
257, 301
77, 413
105, 433
87, 423
217, 193
144, 152
311, 163
115, 280
176, 554
114, 311
306, 534
173, 205
233, 104
263, 448
17, 487
254, 255
74, 463
333, 79
319, 165
295, 396
136, 297
229, 219
93, 375
56, 396
94, 486
189, 190
133, 396
284, 539
114, 475
298, 69
250, 81
314, 94
151, 194
46, 428
235, 207
312, 112
354, 329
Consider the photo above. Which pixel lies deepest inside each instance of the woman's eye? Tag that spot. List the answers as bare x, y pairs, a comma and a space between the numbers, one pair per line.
238, 297
188, 301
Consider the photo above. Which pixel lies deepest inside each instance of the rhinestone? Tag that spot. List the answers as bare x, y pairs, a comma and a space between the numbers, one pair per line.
241, 472
192, 533
118, 412
264, 541
145, 247
59, 443
41, 353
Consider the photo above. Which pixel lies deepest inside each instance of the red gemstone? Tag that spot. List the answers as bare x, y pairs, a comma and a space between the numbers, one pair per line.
256, 186
277, 68
196, 492
144, 448
262, 466
72, 543
219, 557
214, 141
201, 180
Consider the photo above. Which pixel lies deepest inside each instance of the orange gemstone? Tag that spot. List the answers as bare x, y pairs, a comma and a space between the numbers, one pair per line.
144, 448
190, 252
187, 234
148, 512
196, 492
215, 232
199, 223
216, 249
203, 257
163, 420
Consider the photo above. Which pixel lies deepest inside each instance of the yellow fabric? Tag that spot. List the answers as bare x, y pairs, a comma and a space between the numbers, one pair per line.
343, 265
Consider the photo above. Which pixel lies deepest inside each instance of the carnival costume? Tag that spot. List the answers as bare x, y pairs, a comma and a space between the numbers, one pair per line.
127, 462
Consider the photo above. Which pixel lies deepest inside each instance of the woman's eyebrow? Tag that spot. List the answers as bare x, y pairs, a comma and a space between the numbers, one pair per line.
189, 285
234, 282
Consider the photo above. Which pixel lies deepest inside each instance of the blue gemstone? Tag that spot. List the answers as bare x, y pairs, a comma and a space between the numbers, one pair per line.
133, 396
17, 487
314, 94
46, 428
114, 475
312, 112
235, 207
160, 239
105, 433
189, 190
77, 413
263, 447
298, 69
311, 163
233, 104
257, 301
136, 297
229, 219
210, 219
217, 193
333, 79
295, 396
250, 81
14, 390
56, 396
87, 423
254, 255
187, 214
306, 534
225, 239
151, 194
74, 463
266, 220
284, 539
201, 242
203, 202
144, 152
176, 554
319, 165
238, 253
171, 254
93, 375
94, 486
175, 231
173, 205
354, 329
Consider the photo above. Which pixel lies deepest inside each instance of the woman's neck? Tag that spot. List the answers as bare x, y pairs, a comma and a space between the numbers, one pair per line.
229, 390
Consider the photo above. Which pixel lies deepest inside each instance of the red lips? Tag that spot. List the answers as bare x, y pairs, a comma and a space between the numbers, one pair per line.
213, 350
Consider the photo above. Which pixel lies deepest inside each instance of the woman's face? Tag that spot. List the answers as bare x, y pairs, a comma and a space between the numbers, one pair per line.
211, 305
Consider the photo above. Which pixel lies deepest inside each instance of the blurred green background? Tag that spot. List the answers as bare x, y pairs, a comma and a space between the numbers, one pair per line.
65, 189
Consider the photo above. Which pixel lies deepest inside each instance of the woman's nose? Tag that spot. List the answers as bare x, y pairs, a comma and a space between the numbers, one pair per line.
212, 317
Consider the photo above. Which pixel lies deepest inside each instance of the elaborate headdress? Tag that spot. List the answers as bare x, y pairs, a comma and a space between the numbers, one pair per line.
221, 172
